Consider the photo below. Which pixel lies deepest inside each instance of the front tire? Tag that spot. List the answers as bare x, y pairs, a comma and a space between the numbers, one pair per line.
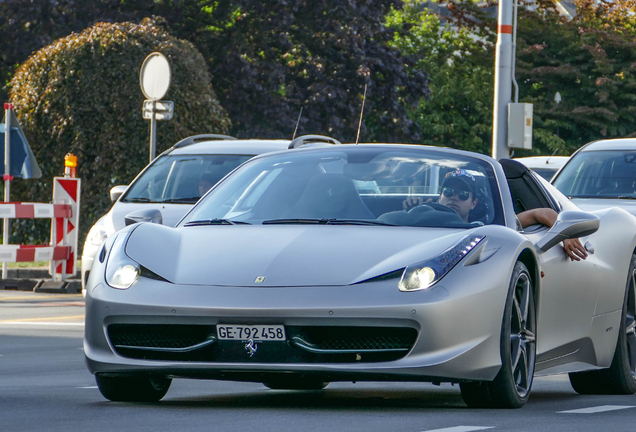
511, 387
133, 388
620, 378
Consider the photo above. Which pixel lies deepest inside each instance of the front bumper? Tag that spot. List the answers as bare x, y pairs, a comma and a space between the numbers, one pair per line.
455, 332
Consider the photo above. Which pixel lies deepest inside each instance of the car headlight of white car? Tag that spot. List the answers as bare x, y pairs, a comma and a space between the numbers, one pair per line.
96, 235
425, 274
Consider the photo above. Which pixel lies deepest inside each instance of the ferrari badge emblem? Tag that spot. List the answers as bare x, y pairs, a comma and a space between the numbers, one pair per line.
260, 279
251, 347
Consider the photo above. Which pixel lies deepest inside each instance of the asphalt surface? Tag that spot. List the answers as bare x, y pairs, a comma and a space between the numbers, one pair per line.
45, 386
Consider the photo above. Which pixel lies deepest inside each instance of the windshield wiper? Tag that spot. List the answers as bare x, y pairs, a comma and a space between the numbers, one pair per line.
324, 221
182, 200
356, 222
627, 197
296, 221
215, 222
138, 199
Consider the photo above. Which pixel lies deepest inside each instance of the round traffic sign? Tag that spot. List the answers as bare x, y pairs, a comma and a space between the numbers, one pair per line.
154, 76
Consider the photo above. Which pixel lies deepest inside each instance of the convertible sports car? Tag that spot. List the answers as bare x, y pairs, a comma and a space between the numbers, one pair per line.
301, 268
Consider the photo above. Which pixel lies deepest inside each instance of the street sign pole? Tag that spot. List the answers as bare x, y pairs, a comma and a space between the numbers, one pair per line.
7, 176
154, 78
503, 80
153, 130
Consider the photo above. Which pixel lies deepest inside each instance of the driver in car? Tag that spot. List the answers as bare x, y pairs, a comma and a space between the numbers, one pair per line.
458, 193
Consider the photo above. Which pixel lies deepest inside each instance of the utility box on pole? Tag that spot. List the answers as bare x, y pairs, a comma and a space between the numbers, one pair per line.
520, 125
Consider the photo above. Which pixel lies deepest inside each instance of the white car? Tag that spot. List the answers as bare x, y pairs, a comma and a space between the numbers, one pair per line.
601, 174
177, 178
545, 166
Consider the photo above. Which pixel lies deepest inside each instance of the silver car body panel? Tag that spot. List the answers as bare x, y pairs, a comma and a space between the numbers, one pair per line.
172, 213
324, 275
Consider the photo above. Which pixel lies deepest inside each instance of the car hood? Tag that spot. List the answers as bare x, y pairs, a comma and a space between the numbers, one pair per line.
593, 204
298, 255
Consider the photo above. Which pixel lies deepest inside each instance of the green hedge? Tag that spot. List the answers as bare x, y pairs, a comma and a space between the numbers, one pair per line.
81, 94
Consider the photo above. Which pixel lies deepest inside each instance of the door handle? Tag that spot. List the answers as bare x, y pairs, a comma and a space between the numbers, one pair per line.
588, 247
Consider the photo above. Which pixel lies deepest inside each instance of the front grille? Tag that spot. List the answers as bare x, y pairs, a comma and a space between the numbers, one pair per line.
304, 344
157, 336
360, 338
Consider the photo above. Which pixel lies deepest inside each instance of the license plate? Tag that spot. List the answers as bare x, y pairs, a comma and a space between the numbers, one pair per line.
254, 332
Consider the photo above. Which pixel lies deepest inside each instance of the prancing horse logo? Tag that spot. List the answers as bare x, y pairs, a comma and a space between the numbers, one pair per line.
251, 347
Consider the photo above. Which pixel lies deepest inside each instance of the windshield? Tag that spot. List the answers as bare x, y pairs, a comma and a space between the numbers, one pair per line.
361, 185
546, 173
599, 174
181, 178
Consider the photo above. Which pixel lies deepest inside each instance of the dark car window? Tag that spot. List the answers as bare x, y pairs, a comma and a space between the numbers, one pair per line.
599, 174
181, 178
359, 183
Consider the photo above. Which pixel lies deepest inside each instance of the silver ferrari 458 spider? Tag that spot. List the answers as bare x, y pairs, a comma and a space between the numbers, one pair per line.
367, 262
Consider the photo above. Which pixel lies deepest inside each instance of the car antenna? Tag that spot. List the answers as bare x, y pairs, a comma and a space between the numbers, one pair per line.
297, 123
364, 97
548, 160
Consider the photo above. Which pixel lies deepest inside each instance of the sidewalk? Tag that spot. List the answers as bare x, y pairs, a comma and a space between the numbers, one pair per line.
38, 279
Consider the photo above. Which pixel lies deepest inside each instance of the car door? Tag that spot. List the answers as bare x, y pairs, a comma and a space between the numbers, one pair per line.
567, 290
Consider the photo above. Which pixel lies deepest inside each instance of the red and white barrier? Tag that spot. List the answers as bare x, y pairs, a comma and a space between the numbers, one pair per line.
66, 191
25, 253
64, 212
34, 210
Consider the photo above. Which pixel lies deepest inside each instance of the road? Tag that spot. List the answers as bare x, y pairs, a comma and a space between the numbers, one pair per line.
44, 386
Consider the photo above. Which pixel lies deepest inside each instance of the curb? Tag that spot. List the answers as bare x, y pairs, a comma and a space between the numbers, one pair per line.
38, 280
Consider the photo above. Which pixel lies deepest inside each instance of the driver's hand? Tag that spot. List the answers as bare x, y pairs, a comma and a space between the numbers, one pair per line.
411, 202
574, 249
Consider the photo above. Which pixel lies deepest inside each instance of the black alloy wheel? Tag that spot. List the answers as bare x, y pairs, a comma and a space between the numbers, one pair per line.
511, 387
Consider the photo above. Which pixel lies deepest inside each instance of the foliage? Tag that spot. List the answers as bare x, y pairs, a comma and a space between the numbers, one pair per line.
270, 59
81, 94
27, 25
460, 64
590, 62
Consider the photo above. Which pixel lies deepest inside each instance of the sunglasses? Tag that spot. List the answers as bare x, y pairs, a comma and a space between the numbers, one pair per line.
461, 194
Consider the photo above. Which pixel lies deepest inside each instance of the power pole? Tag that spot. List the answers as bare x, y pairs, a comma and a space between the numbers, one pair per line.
504, 58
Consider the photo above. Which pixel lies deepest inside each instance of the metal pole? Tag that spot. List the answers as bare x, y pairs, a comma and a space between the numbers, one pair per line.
503, 81
153, 130
7, 172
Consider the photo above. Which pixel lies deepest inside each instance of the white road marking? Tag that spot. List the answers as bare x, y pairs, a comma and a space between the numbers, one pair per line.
87, 387
461, 429
41, 323
597, 409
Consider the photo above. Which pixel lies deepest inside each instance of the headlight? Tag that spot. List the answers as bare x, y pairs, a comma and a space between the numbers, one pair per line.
96, 235
425, 274
121, 271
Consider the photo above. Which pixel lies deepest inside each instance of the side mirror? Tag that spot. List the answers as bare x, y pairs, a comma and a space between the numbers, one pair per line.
116, 192
569, 224
143, 215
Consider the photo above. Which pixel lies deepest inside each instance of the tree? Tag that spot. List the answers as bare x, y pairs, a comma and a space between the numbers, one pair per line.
270, 59
590, 62
459, 60
27, 26
81, 94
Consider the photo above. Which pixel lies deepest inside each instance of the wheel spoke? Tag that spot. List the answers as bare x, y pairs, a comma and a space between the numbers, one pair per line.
521, 372
631, 353
524, 297
515, 351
